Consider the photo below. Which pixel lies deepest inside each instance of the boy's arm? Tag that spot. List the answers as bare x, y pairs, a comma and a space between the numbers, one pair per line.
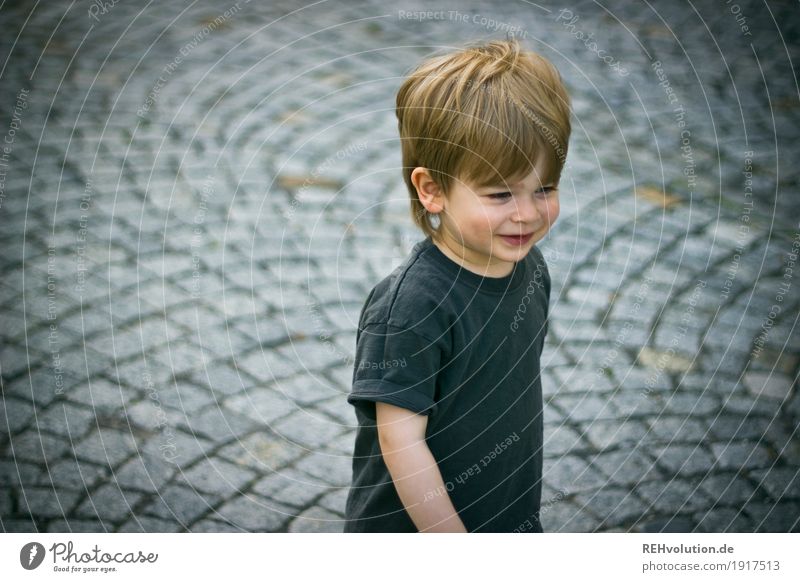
416, 475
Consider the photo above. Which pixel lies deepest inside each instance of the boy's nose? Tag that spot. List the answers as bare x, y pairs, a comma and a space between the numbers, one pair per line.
525, 211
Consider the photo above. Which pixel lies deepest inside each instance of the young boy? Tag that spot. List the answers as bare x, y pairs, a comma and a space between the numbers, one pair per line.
446, 384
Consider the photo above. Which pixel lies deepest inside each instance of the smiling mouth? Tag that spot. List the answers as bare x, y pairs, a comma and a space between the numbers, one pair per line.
517, 239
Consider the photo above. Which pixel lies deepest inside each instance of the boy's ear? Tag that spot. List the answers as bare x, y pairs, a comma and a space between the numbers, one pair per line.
430, 195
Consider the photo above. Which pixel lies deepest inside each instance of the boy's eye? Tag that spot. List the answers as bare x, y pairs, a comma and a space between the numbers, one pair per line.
540, 192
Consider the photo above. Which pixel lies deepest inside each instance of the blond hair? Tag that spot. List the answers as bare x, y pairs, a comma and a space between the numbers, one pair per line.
484, 114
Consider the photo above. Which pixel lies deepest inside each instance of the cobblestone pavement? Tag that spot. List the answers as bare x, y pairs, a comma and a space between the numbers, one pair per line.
196, 199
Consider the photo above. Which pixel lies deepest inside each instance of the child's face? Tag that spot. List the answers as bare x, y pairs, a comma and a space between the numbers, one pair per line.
482, 225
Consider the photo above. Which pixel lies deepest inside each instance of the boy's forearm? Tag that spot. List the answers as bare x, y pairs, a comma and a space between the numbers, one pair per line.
417, 477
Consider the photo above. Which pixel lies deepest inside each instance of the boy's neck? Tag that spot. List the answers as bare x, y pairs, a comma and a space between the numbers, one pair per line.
455, 252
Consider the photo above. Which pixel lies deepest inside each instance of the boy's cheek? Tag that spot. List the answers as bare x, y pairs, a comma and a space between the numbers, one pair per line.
553, 210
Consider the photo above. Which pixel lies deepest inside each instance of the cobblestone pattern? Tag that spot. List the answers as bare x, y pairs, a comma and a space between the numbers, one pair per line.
196, 199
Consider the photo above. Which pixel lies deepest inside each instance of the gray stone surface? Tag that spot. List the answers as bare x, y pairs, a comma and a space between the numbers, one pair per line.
185, 263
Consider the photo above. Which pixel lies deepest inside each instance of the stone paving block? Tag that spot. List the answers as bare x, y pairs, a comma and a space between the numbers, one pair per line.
628, 334
249, 280
666, 361
216, 476
307, 429
560, 439
185, 397
291, 296
214, 526
165, 265
181, 357
699, 381
779, 482
578, 331
37, 447
290, 487
728, 489
42, 385
339, 409
341, 376
782, 440
636, 403
249, 335
12, 323
222, 379
696, 404
106, 447
100, 395
595, 353
5, 502
267, 365
626, 467
334, 469
150, 415
604, 434
263, 405
335, 501
219, 424
311, 354
176, 447
775, 358
224, 342
631, 378
20, 526
769, 385
124, 308
47, 502
672, 524
728, 427
582, 380
684, 459
571, 474
262, 452
179, 504
305, 389
14, 473
721, 341
677, 429
723, 520
612, 505
585, 407
674, 334
553, 354
672, 496
775, 518
135, 374
255, 515
145, 472
117, 345
66, 420
15, 415
236, 304
344, 444
77, 526
142, 524
739, 403
317, 520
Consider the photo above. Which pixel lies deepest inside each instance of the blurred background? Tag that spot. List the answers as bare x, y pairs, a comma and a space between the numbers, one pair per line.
196, 198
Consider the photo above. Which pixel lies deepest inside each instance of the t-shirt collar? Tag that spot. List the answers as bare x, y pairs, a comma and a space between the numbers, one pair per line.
463, 275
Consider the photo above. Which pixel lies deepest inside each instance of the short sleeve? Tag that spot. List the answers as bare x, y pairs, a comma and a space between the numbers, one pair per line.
397, 366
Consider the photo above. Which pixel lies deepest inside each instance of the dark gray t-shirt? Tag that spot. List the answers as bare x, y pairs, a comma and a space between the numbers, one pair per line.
464, 349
